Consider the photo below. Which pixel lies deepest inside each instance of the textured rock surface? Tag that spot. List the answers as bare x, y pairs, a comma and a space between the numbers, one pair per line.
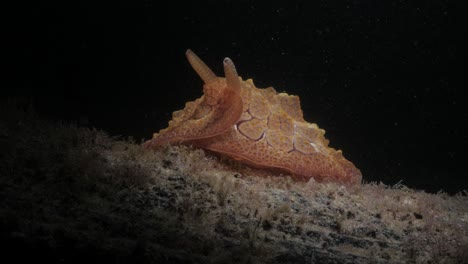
71, 194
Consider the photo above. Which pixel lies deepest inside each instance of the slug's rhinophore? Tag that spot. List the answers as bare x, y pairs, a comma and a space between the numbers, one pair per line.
259, 127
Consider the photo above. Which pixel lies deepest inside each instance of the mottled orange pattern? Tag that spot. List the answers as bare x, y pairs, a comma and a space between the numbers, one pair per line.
259, 127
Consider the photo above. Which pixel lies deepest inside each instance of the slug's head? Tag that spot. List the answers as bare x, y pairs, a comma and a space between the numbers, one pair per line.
210, 115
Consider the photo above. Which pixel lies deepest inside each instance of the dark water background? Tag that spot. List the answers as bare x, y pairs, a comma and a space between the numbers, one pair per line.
374, 75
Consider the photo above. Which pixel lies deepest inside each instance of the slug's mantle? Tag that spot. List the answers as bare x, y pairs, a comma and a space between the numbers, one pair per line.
256, 126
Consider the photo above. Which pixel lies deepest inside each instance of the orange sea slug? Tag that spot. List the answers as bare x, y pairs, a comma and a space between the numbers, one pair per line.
256, 126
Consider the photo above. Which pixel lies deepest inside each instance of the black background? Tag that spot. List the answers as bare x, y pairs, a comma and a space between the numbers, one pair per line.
373, 74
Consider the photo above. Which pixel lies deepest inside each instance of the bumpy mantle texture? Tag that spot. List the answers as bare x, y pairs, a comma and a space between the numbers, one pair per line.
259, 127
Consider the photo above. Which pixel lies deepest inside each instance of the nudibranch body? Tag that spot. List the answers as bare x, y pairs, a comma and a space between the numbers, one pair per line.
259, 127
